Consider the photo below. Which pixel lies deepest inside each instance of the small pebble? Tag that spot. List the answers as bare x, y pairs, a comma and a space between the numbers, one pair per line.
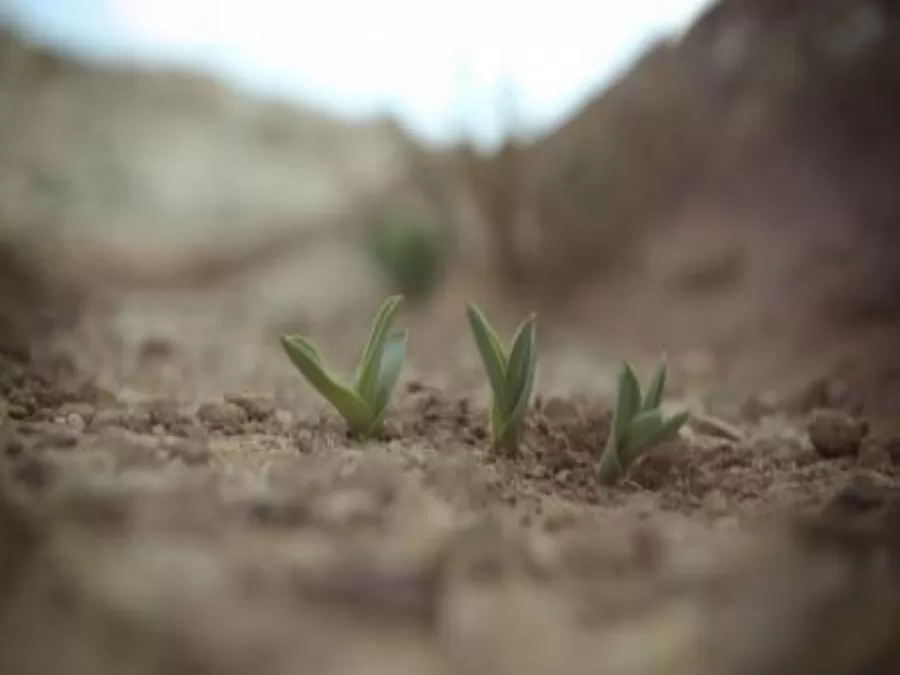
222, 416
258, 408
835, 434
85, 411
76, 422
191, 452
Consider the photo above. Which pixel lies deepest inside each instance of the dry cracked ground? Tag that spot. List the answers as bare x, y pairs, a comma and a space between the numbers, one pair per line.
177, 500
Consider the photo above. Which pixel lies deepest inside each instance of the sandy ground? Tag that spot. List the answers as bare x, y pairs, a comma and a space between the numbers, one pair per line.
179, 501
175, 500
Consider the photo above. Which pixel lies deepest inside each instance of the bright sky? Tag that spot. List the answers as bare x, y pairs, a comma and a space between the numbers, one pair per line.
436, 64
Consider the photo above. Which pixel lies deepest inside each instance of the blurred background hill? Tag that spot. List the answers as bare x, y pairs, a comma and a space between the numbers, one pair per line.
751, 166
729, 194
164, 163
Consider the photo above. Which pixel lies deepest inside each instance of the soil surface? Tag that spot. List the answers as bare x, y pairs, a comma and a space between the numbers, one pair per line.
178, 500
175, 499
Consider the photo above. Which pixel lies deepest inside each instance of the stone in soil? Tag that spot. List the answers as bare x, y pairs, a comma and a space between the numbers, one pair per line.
835, 434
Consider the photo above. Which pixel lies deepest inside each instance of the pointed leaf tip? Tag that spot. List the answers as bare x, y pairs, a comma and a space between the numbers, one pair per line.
653, 397
628, 401
492, 355
521, 360
370, 363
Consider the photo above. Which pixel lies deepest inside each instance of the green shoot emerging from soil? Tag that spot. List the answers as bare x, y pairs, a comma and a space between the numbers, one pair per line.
363, 403
638, 423
511, 376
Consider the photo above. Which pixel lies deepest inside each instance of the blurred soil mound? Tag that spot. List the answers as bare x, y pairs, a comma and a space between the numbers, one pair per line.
160, 178
735, 192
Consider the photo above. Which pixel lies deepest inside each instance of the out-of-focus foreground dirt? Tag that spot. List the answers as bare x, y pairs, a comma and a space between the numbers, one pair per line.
176, 500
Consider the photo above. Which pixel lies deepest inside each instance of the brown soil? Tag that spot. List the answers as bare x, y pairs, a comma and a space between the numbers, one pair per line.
774, 280
751, 167
175, 499
178, 501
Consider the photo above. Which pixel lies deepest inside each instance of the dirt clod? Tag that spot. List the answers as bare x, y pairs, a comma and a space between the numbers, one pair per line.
190, 452
223, 416
892, 448
864, 497
257, 408
834, 433
32, 472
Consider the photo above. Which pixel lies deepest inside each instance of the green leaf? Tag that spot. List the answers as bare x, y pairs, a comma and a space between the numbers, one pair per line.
645, 429
508, 434
653, 397
494, 336
521, 358
637, 424
649, 429
391, 365
496, 423
628, 402
370, 364
611, 468
644, 425
508, 440
674, 423
492, 356
306, 357
308, 346
522, 369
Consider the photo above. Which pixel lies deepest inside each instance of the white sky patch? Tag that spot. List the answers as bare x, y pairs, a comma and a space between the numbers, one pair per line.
433, 63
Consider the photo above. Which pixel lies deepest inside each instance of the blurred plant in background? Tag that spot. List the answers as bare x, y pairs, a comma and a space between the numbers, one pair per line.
411, 252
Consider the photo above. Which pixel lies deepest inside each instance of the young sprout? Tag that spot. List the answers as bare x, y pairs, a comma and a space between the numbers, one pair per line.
638, 423
510, 374
362, 403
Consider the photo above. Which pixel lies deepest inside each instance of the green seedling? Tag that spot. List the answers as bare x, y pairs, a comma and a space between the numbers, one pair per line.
638, 423
510, 374
411, 255
363, 403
